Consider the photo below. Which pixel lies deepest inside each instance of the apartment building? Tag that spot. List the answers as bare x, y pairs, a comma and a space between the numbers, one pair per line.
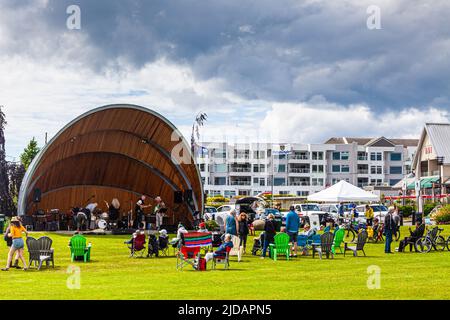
302, 169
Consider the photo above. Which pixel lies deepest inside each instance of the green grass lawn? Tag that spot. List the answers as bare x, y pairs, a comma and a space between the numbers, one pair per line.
113, 275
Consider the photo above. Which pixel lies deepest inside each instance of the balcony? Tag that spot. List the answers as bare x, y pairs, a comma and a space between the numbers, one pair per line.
299, 170
303, 184
240, 170
241, 183
363, 171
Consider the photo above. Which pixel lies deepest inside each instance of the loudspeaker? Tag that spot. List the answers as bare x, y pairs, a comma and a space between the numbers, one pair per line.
178, 197
188, 197
37, 195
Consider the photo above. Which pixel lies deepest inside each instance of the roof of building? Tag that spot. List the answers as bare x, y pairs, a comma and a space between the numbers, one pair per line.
439, 134
370, 141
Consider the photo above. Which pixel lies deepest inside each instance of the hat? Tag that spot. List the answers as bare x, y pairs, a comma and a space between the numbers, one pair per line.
15, 219
163, 232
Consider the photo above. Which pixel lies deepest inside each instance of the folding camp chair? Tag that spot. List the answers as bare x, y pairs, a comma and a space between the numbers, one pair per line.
189, 252
163, 245
137, 246
225, 260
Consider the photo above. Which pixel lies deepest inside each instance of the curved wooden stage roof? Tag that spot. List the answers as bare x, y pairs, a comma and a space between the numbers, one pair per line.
118, 151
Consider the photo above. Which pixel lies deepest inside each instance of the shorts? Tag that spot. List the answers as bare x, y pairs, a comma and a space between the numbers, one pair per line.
292, 236
18, 243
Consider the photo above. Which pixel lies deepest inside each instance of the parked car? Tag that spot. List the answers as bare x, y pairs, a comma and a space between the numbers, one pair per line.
307, 210
379, 211
209, 213
222, 213
333, 209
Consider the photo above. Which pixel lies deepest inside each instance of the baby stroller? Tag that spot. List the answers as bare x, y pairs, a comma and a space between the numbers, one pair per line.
258, 244
137, 245
153, 246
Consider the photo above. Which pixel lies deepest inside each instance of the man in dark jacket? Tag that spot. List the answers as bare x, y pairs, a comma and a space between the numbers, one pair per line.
269, 235
414, 235
390, 227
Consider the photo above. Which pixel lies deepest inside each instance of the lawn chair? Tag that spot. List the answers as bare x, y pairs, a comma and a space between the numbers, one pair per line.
163, 245
281, 246
413, 240
302, 243
137, 246
326, 244
225, 260
40, 251
236, 250
189, 252
360, 242
78, 248
338, 239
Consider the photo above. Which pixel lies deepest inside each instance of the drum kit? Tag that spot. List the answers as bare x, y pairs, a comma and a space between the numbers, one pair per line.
101, 221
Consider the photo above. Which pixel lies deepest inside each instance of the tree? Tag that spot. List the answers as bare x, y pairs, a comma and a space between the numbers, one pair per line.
29, 153
6, 203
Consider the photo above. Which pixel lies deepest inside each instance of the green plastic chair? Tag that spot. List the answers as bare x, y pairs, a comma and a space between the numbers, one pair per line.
338, 240
281, 246
78, 248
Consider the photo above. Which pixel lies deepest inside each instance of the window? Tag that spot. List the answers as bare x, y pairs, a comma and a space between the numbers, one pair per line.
259, 168
203, 180
317, 168
284, 193
396, 156
344, 155
280, 156
317, 155
202, 167
376, 156
280, 168
229, 193
219, 153
336, 156
376, 170
220, 181
336, 168
362, 156
217, 193
393, 182
345, 168
396, 170
279, 182
259, 154
317, 181
376, 182
302, 193
222, 167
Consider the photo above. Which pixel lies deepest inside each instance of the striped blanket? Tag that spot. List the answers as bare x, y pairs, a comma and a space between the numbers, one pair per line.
197, 239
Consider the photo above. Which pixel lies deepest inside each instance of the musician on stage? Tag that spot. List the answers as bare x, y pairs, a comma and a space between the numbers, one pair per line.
113, 209
89, 211
159, 210
139, 209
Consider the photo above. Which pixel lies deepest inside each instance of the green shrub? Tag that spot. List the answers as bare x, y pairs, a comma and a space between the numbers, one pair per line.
217, 199
406, 210
211, 225
428, 207
443, 215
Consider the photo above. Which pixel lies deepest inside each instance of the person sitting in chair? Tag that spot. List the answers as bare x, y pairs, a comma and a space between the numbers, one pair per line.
141, 230
413, 236
221, 250
202, 227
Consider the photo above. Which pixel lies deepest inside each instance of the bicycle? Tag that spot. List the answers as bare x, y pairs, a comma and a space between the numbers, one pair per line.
448, 243
433, 239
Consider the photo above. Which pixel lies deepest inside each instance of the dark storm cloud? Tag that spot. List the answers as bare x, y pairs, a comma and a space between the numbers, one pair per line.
270, 50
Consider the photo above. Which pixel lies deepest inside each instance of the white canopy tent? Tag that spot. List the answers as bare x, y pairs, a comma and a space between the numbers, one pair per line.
343, 192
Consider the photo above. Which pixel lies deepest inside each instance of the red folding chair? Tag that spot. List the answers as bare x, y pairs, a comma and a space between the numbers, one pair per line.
189, 252
137, 247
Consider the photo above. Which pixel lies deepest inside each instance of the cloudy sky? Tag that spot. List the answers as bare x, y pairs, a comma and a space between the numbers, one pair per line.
285, 70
